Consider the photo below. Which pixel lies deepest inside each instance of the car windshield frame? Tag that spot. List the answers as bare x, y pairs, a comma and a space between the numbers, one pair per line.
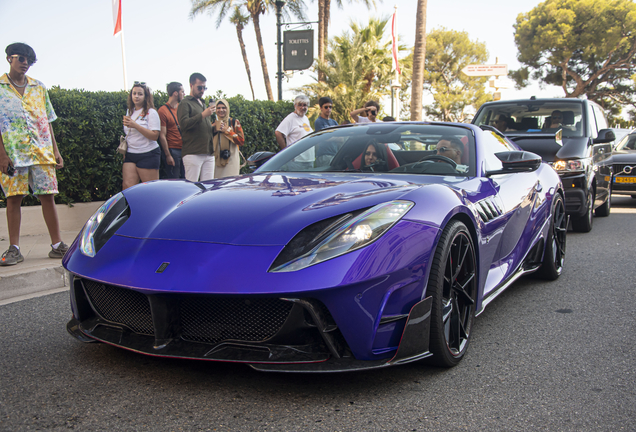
409, 145
626, 140
531, 116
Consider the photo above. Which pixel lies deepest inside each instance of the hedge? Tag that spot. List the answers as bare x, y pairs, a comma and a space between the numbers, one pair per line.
89, 125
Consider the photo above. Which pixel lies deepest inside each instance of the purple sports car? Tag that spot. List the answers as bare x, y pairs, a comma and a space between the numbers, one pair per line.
357, 247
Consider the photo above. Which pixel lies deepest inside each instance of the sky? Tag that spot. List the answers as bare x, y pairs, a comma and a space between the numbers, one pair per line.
75, 46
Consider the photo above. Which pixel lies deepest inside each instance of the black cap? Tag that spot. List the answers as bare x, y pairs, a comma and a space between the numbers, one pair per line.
21, 49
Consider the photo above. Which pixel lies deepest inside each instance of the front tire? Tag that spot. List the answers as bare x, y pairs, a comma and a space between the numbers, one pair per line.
453, 285
585, 222
605, 209
554, 253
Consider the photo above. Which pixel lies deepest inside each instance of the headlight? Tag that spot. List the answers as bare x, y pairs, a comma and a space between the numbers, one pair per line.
570, 166
352, 234
103, 224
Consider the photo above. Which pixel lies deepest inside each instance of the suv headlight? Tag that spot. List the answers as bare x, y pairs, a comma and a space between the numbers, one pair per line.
103, 224
350, 235
571, 166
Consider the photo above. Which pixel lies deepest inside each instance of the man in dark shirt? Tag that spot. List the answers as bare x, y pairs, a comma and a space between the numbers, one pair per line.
326, 150
196, 132
324, 120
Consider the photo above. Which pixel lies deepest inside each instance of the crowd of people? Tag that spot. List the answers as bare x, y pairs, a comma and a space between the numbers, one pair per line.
181, 135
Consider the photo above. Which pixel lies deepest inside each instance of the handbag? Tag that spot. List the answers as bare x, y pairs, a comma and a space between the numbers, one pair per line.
123, 145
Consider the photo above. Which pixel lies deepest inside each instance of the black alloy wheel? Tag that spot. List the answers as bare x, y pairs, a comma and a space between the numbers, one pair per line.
453, 285
554, 253
585, 222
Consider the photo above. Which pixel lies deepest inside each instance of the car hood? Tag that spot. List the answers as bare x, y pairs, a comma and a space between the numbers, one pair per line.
624, 157
546, 146
259, 209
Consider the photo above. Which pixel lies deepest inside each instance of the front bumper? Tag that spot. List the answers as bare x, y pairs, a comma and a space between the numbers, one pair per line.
274, 334
576, 191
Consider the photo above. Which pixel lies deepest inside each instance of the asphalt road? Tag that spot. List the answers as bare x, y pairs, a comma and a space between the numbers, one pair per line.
544, 357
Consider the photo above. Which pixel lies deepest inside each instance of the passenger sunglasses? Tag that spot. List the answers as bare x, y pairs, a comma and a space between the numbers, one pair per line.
23, 59
370, 154
327, 107
202, 88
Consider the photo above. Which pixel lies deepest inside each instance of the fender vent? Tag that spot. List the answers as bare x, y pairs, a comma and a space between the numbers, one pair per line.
488, 209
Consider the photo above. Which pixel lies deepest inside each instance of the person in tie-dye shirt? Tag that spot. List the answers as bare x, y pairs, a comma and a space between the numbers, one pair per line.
28, 152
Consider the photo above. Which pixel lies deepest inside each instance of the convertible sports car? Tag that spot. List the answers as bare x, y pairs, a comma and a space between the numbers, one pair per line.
357, 247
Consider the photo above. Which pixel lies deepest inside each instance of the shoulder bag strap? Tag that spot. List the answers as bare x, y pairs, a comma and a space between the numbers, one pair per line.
175, 119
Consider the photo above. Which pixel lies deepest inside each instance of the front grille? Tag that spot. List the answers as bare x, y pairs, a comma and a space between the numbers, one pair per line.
618, 168
213, 320
121, 306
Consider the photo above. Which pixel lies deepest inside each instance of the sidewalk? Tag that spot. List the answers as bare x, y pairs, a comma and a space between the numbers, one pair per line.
38, 274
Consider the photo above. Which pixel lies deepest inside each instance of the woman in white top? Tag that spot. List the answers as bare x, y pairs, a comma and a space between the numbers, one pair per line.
141, 126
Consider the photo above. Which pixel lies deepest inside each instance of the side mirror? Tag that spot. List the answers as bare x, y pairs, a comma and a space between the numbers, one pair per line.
258, 159
516, 161
604, 136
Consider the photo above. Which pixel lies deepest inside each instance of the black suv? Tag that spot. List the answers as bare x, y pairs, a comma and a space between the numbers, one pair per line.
570, 134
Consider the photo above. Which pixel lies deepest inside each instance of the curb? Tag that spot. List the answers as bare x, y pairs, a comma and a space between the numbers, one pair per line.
16, 286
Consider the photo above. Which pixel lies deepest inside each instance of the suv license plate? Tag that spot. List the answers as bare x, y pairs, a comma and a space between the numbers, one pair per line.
624, 179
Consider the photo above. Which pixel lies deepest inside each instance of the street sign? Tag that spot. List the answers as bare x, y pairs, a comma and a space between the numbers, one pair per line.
500, 83
486, 70
298, 49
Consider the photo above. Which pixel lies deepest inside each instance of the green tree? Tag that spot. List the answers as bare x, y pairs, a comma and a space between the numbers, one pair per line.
447, 53
357, 68
256, 8
585, 46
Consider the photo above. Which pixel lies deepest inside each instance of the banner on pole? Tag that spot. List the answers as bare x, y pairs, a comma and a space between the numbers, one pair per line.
116, 16
394, 39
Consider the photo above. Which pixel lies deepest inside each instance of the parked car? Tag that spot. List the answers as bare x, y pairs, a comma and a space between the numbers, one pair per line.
624, 162
577, 144
367, 258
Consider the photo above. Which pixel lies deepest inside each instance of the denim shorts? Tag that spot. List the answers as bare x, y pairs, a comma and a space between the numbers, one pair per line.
148, 160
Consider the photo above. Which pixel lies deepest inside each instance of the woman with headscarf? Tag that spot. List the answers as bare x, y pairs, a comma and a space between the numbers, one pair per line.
228, 137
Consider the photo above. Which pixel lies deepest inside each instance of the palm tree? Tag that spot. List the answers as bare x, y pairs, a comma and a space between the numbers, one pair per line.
240, 20
256, 8
324, 14
357, 68
419, 55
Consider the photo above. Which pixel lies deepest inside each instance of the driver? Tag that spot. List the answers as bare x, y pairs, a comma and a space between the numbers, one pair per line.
450, 147
374, 157
555, 120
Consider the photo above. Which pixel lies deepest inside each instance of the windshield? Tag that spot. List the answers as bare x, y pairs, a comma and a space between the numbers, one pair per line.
627, 143
534, 116
395, 148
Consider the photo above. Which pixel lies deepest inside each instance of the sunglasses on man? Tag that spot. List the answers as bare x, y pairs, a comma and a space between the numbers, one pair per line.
23, 59
202, 88
445, 149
